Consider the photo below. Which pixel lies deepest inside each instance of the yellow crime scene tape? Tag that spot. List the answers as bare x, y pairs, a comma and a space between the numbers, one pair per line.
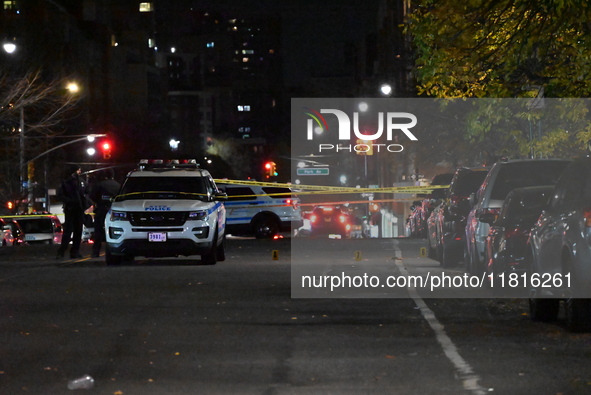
320, 189
330, 190
27, 215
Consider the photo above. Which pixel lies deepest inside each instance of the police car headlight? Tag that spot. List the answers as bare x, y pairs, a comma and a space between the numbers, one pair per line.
198, 215
119, 216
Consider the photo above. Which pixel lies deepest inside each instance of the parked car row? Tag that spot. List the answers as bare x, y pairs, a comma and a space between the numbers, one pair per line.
447, 223
422, 209
525, 220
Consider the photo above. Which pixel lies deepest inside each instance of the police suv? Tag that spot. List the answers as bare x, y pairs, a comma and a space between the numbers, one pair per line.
261, 210
167, 209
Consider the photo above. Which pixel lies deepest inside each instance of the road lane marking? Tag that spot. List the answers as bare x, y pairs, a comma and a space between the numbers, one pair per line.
466, 373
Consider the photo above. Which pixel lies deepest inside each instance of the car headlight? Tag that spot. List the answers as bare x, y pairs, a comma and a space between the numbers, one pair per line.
119, 216
198, 215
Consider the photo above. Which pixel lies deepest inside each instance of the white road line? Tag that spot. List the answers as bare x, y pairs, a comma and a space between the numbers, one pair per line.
465, 372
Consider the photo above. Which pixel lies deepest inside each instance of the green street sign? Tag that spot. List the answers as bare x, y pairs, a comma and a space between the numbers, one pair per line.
313, 172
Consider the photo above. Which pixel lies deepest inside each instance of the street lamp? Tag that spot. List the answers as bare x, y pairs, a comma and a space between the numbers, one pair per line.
72, 87
386, 89
9, 47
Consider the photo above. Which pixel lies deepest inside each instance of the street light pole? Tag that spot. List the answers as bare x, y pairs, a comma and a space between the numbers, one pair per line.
89, 137
22, 151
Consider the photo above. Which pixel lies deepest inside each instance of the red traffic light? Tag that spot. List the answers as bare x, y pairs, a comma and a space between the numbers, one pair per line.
106, 147
268, 165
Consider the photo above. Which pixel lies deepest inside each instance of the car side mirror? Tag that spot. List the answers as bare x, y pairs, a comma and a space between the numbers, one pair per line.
220, 196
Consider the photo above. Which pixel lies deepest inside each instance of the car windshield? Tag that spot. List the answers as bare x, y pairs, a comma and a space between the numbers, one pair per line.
163, 188
524, 174
36, 225
524, 206
468, 182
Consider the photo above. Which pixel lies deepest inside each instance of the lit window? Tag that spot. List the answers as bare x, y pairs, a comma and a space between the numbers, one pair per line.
210, 44
10, 5
244, 108
244, 60
151, 43
146, 7
247, 51
240, 108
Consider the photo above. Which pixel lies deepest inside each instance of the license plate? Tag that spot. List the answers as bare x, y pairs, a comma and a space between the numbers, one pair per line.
157, 236
30, 238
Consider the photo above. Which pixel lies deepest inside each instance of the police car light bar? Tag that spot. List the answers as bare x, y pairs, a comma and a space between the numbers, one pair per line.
168, 164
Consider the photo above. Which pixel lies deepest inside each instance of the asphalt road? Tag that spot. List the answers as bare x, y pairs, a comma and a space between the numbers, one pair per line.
171, 327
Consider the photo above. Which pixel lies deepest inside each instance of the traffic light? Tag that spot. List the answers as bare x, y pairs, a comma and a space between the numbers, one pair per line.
365, 147
106, 147
270, 169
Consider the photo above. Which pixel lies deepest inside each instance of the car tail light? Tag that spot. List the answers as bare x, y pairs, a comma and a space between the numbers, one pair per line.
342, 219
587, 216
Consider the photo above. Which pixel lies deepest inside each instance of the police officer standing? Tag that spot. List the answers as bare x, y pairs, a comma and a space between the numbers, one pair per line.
102, 194
73, 194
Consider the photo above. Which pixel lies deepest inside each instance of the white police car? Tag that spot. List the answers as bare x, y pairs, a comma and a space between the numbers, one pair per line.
167, 209
260, 210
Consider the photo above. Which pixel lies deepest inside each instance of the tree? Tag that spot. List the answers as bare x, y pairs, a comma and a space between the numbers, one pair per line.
508, 49
41, 106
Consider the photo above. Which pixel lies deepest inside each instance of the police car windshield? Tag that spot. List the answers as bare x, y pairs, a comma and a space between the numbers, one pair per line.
163, 188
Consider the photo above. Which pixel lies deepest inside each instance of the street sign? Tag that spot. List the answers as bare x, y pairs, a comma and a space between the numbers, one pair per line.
313, 172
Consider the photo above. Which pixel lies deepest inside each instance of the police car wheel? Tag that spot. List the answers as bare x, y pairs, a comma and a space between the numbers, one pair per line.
210, 257
221, 250
265, 228
112, 260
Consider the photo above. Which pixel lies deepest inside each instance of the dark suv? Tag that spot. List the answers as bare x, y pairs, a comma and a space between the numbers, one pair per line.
449, 222
560, 251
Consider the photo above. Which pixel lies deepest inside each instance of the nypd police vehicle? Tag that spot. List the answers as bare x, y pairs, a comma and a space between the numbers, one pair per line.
167, 209
260, 209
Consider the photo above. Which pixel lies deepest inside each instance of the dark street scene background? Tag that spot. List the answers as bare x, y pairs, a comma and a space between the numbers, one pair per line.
104, 84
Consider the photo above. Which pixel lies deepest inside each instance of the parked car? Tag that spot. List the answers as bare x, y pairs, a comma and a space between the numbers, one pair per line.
560, 248
330, 220
423, 208
7, 237
502, 178
506, 244
447, 232
17, 231
41, 228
